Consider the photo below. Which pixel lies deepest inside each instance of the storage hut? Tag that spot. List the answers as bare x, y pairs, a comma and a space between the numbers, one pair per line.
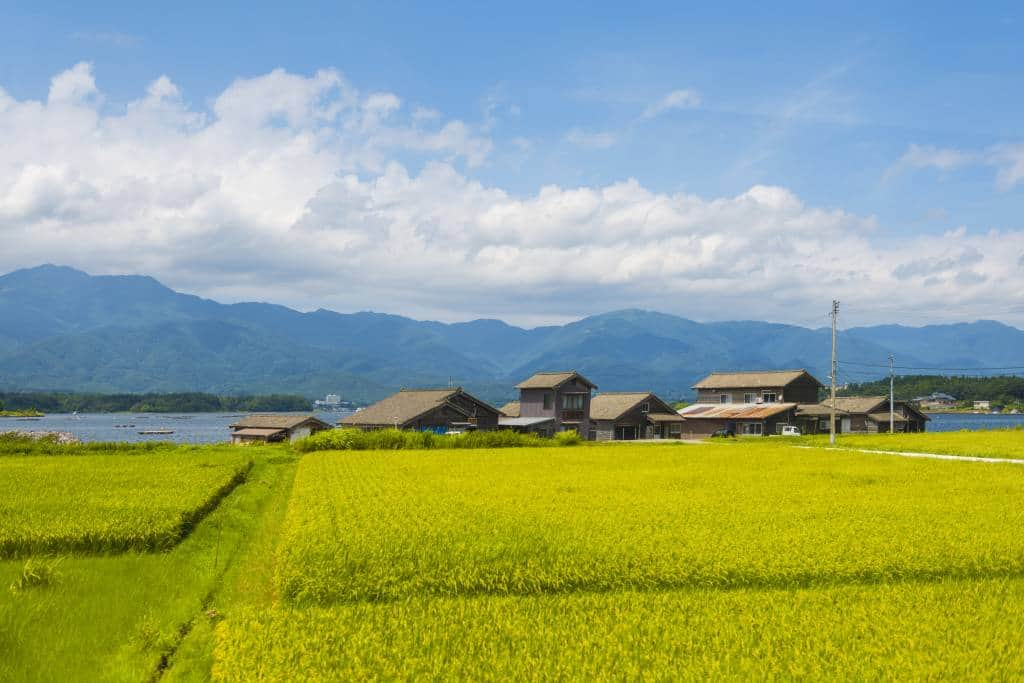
270, 428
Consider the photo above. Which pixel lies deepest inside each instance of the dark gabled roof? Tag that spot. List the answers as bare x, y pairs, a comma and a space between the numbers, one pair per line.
510, 409
278, 421
754, 379
553, 380
409, 404
613, 404
854, 405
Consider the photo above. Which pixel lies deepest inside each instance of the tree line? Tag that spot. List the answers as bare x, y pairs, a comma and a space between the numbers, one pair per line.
188, 402
1003, 390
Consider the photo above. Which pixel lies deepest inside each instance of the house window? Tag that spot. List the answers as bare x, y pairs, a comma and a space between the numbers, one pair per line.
770, 397
750, 398
751, 428
675, 430
725, 398
823, 424
572, 401
547, 401
645, 407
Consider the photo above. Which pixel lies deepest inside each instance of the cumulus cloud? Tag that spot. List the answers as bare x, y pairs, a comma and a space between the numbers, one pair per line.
677, 99
296, 189
598, 140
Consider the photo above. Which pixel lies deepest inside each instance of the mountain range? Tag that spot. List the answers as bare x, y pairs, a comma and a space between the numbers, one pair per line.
63, 329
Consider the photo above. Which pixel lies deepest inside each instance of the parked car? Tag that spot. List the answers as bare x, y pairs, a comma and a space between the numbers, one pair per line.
723, 434
790, 430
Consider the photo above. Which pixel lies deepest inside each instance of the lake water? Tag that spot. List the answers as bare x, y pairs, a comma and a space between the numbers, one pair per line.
187, 427
213, 427
954, 422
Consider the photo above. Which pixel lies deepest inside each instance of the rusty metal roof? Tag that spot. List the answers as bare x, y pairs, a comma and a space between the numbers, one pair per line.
734, 411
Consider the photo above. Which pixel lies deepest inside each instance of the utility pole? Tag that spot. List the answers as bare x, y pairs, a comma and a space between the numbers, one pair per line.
832, 421
892, 393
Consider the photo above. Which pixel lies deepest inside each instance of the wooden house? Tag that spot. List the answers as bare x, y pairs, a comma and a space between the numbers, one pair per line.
271, 428
751, 403
625, 416
861, 415
435, 410
564, 397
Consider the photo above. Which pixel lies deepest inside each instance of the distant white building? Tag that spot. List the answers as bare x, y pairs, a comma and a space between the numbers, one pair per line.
983, 405
330, 401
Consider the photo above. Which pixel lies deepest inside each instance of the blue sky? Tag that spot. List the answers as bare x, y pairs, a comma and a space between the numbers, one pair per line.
906, 120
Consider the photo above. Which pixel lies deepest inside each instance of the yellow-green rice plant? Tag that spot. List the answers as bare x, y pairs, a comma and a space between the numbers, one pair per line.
376, 526
110, 503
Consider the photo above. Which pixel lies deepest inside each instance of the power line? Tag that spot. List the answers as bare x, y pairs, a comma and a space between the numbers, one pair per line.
908, 367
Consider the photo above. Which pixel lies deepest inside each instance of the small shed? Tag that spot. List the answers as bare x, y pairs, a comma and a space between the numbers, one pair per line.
626, 416
273, 428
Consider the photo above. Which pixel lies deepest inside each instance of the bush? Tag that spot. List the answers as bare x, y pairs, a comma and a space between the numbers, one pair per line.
395, 439
570, 438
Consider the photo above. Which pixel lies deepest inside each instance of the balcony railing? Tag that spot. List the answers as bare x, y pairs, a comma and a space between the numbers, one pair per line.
572, 415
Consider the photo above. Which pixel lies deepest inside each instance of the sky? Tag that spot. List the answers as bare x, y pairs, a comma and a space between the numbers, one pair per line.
532, 162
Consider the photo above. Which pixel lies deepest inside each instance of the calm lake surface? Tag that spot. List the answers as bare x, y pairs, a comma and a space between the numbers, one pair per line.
954, 422
213, 427
187, 427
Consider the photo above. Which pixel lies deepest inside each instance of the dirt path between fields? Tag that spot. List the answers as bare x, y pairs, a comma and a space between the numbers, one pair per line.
933, 456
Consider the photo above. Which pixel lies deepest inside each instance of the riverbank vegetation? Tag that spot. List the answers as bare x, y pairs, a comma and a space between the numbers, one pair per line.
744, 559
191, 402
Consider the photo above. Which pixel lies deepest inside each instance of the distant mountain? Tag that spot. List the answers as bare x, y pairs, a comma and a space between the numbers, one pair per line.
61, 328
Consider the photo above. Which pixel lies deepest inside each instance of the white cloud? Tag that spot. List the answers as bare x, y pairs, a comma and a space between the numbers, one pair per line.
291, 189
72, 86
927, 156
598, 140
1008, 159
677, 99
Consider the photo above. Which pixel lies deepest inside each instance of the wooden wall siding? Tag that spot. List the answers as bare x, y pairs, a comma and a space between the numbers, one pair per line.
531, 404
605, 430
802, 390
737, 395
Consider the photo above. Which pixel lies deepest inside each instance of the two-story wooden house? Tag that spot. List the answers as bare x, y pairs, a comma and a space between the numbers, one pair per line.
563, 397
749, 403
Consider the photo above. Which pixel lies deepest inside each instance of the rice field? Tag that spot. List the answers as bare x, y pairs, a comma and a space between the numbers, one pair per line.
1001, 443
737, 560
950, 630
109, 503
389, 526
